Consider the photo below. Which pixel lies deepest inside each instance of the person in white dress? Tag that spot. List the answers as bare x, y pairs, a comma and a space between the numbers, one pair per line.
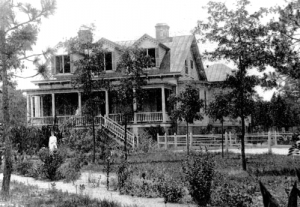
52, 142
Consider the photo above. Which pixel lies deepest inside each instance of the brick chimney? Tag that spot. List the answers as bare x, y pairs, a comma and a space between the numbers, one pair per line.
162, 31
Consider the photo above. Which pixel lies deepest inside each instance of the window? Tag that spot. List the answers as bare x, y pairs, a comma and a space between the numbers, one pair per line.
186, 67
62, 63
108, 61
151, 52
192, 64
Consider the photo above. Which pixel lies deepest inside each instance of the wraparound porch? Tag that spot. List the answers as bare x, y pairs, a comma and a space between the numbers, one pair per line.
58, 106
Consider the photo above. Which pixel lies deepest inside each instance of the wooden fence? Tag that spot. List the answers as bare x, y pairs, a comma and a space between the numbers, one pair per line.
214, 141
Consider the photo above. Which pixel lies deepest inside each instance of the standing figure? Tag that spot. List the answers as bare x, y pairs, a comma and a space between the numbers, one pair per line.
52, 142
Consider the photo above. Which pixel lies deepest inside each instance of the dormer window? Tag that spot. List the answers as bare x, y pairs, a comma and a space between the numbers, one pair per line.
151, 52
108, 61
192, 64
186, 67
62, 64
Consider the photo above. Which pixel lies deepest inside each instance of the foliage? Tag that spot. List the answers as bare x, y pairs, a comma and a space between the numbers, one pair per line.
70, 170
220, 107
199, 171
154, 130
23, 167
285, 41
17, 109
260, 116
128, 94
172, 191
90, 65
244, 40
20, 24
146, 144
124, 176
228, 192
281, 113
51, 163
186, 106
29, 140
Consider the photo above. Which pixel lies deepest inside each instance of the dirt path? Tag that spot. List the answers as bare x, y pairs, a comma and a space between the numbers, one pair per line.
96, 192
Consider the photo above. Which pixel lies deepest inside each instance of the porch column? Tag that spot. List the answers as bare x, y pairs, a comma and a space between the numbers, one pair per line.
31, 105
37, 105
163, 103
79, 104
106, 104
28, 108
41, 107
53, 105
134, 109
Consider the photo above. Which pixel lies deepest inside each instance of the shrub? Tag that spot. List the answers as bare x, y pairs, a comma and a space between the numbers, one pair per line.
172, 191
231, 196
198, 172
23, 167
124, 176
146, 144
51, 163
70, 170
36, 171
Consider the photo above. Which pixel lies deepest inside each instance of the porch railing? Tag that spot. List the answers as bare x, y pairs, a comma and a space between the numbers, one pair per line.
140, 117
149, 116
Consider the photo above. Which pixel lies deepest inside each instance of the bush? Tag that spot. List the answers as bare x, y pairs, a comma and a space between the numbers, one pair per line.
198, 172
23, 167
51, 163
146, 144
124, 176
70, 170
172, 191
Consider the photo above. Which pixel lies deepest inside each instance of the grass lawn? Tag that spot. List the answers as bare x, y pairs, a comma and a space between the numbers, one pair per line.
276, 172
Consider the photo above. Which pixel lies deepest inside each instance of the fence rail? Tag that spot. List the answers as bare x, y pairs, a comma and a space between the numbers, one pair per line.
214, 141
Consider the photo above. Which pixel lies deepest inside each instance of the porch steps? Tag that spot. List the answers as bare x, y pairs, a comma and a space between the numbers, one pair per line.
117, 130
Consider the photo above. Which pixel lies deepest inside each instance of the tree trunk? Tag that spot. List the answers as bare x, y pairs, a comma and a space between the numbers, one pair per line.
243, 145
94, 140
187, 139
6, 120
222, 139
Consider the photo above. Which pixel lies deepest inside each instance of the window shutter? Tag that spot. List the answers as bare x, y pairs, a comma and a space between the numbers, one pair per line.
53, 71
157, 57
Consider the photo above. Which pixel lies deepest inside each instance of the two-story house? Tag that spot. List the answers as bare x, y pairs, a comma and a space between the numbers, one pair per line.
177, 60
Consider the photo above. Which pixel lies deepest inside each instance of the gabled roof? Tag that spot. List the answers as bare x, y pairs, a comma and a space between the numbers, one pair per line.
146, 36
180, 47
111, 43
217, 72
128, 43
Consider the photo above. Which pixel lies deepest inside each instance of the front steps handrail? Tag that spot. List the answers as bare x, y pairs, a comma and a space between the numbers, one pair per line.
117, 130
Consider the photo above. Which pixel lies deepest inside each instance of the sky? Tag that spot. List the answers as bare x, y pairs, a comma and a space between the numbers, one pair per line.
119, 20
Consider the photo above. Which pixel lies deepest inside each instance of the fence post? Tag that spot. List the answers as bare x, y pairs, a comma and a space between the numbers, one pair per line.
175, 140
191, 140
230, 139
269, 143
166, 141
275, 138
157, 140
226, 142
